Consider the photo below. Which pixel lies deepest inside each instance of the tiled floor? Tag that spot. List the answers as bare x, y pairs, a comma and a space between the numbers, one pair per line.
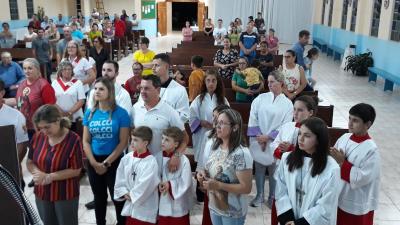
336, 87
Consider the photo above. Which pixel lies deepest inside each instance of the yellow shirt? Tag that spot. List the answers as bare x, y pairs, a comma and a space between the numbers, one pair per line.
195, 83
138, 56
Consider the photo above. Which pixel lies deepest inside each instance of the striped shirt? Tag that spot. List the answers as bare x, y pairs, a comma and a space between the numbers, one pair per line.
65, 155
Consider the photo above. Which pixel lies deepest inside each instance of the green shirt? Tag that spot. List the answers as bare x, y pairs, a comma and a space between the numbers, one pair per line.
239, 80
234, 38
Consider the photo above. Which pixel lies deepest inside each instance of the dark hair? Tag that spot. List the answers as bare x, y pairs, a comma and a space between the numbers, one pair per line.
219, 90
87, 51
251, 17
264, 42
217, 109
2, 85
174, 133
220, 19
272, 30
100, 39
197, 61
41, 28
145, 40
319, 158
50, 114
163, 57
30, 26
236, 137
293, 53
143, 132
115, 64
364, 111
5, 24
312, 52
255, 63
303, 33
156, 81
138, 63
95, 24
309, 102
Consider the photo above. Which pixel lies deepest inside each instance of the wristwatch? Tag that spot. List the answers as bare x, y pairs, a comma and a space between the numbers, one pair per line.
106, 164
177, 154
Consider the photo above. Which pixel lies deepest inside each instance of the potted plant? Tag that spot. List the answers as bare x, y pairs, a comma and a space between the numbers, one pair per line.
358, 64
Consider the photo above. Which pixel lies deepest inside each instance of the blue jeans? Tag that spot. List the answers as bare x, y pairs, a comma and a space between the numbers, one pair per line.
260, 179
217, 219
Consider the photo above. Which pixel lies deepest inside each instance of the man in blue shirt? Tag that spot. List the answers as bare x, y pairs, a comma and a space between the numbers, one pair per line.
248, 43
11, 73
298, 48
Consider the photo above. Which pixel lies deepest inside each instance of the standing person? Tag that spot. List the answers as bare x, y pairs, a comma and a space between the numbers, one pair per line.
244, 93
175, 188
187, 32
83, 70
295, 79
208, 28
29, 37
11, 73
132, 85
309, 59
273, 42
137, 180
227, 176
43, 53
196, 77
171, 92
219, 33
269, 111
60, 23
248, 43
259, 21
124, 15
359, 161
94, 32
144, 55
33, 92
99, 54
201, 110
238, 24
62, 44
226, 60
120, 28
157, 114
298, 48
69, 93
266, 60
308, 179
234, 37
55, 161
105, 136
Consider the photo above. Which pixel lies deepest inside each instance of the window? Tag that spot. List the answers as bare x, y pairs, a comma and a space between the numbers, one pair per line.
29, 8
395, 36
330, 13
344, 14
14, 9
354, 16
78, 7
376, 15
323, 12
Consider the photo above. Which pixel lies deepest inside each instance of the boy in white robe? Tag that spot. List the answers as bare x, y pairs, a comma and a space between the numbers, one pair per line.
359, 160
137, 180
176, 196
308, 179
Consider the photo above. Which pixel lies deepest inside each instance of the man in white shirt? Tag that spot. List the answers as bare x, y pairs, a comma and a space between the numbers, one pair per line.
122, 97
11, 116
29, 36
219, 33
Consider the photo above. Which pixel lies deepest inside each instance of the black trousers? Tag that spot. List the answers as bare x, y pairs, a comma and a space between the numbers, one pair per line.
100, 184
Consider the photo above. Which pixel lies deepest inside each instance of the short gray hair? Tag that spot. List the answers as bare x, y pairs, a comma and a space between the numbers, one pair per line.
33, 61
278, 75
6, 54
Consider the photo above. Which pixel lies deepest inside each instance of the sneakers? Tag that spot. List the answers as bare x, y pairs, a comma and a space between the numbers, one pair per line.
257, 201
90, 205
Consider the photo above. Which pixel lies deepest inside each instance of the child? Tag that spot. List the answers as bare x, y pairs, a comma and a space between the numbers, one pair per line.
175, 188
253, 78
358, 157
311, 56
137, 180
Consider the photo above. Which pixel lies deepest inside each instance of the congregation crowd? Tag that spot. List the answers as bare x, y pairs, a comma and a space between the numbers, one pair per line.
132, 142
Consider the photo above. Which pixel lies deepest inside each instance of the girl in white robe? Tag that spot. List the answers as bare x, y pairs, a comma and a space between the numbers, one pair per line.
137, 180
308, 179
201, 110
269, 111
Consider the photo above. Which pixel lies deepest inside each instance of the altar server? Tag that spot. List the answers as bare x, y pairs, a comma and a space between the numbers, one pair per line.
359, 160
137, 180
176, 197
269, 111
308, 179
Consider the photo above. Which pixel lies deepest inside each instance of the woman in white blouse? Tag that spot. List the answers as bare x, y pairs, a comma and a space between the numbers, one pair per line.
69, 93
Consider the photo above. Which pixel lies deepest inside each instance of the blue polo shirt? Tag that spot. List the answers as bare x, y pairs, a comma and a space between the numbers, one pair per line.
299, 50
11, 74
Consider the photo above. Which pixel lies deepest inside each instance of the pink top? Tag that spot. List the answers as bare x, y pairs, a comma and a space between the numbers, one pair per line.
272, 43
187, 33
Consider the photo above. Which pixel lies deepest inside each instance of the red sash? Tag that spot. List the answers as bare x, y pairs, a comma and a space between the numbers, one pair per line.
63, 86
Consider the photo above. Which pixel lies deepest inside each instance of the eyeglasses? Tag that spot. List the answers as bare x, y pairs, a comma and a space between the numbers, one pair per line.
242, 63
95, 41
71, 47
223, 124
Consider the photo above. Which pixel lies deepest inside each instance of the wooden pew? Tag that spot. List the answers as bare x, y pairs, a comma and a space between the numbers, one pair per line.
326, 114
243, 109
335, 133
230, 95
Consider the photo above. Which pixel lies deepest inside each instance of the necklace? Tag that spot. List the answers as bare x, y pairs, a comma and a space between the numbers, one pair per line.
300, 193
135, 169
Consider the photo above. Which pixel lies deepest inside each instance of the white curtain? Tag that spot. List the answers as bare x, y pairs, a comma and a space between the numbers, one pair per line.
228, 10
288, 17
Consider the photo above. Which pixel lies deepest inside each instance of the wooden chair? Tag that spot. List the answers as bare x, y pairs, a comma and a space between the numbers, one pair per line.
278, 60
326, 114
335, 133
243, 109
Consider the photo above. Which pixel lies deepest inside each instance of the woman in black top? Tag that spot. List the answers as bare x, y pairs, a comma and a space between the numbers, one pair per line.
99, 54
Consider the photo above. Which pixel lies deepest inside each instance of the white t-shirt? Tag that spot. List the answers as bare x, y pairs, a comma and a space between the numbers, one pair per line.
219, 32
68, 94
80, 70
32, 36
11, 116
